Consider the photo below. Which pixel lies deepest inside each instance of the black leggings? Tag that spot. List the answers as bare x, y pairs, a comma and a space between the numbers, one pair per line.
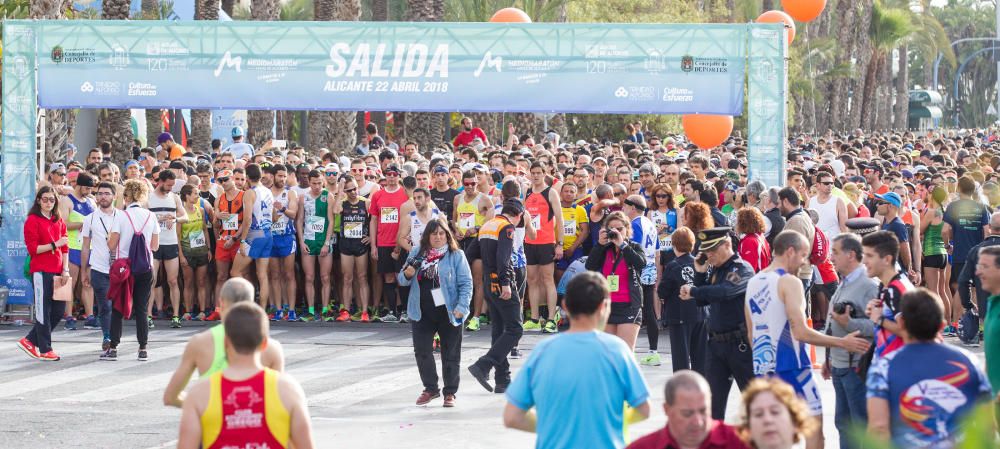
140, 297
649, 316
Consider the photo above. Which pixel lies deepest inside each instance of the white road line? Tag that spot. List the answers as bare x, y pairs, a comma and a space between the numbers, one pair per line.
340, 337
171, 443
367, 389
21, 360
332, 366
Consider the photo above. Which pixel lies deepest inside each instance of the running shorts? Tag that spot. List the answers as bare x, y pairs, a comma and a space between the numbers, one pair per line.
283, 246
542, 254
805, 387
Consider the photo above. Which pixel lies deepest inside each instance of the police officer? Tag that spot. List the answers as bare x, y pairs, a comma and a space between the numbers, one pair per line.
720, 282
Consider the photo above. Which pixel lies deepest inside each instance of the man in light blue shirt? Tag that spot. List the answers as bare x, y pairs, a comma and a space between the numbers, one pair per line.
579, 382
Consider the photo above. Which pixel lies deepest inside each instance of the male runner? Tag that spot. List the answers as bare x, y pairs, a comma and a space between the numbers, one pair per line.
229, 219
75, 206
169, 212
776, 323
541, 204
255, 233
384, 228
206, 350
246, 405
354, 240
472, 209
282, 270
315, 227
442, 194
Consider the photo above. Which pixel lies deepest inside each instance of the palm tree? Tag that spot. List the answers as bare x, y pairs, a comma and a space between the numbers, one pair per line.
930, 41
333, 129
261, 123
201, 119
889, 27
425, 128
59, 123
116, 124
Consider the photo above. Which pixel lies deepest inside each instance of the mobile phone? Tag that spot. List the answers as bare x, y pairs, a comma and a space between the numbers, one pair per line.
702, 258
279, 143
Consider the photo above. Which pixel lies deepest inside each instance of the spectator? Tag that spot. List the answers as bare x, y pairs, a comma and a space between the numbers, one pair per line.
773, 416
753, 247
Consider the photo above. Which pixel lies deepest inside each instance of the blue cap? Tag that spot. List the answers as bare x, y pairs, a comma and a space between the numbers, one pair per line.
891, 198
441, 169
237, 131
130, 163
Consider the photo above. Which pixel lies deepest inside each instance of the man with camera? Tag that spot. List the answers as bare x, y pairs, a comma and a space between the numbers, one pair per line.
846, 316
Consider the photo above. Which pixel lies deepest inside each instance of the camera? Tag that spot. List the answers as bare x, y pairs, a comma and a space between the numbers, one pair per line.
841, 308
613, 235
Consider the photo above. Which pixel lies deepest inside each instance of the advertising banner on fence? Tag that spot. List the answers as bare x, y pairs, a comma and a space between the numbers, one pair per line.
587, 68
766, 108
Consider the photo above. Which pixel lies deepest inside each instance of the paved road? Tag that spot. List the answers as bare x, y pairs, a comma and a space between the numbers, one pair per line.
360, 379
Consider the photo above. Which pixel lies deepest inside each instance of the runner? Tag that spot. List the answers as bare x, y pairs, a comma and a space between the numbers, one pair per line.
354, 240
472, 210
776, 324
542, 251
315, 234
169, 212
282, 267
75, 206
442, 194
576, 228
644, 233
246, 404
255, 234
229, 220
206, 350
384, 228
195, 254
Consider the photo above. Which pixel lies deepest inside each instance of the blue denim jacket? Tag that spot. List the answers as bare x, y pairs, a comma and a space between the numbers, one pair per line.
456, 284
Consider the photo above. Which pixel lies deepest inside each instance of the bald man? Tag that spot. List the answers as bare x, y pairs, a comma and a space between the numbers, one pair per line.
967, 278
206, 350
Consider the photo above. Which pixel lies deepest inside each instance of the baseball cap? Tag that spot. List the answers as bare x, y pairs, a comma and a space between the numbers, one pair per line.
392, 169
53, 167
440, 169
891, 198
224, 174
237, 131
163, 137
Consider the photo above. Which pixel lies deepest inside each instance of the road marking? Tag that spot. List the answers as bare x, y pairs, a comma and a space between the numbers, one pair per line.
170, 443
369, 388
340, 337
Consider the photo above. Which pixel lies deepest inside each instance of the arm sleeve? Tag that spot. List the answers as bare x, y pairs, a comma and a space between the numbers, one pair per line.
505, 247
31, 238
732, 288
596, 258
637, 232
519, 392
634, 256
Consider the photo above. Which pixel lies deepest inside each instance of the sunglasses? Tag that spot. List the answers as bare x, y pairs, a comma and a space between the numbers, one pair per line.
332, 173
370, 177
662, 196
59, 173
827, 183
468, 184
619, 193
351, 190
357, 170
223, 179
392, 175
47, 199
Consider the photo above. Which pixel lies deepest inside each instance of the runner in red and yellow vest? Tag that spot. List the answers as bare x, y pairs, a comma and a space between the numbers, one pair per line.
543, 208
245, 405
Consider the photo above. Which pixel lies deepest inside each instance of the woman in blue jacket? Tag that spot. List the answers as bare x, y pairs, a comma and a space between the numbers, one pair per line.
439, 305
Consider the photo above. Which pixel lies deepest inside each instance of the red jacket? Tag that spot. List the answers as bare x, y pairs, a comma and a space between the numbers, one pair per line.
41, 231
756, 251
720, 437
465, 138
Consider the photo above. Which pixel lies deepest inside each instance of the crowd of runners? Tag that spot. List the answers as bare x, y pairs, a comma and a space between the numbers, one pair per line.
882, 247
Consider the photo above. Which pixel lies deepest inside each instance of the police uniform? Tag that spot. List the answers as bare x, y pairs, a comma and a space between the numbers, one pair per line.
862, 226
722, 289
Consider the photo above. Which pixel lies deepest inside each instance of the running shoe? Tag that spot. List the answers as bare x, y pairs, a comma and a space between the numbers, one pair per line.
70, 324
437, 343
515, 353
175, 323
91, 323
364, 317
949, 331
186, 316
143, 355
653, 359
390, 318
357, 315
278, 316
50, 356
149, 320
472, 324
344, 316
214, 316
291, 316
376, 316
404, 318
531, 325
199, 317
484, 320
110, 355
28, 348
307, 317
550, 328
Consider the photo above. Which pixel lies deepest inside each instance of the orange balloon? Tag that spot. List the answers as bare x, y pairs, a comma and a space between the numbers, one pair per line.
775, 16
803, 10
707, 131
510, 15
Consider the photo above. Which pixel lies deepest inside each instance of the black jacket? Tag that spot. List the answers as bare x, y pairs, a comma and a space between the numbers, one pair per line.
676, 273
968, 275
723, 289
635, 260
777, 224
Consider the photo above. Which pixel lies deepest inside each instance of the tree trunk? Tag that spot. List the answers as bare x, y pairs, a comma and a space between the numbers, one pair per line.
227, 7
868, 96
117, 123
425, 128
59, 123
902, 107
861, 52
833, 112
883, 116
260, 124
201, 119
154, 125
334, 130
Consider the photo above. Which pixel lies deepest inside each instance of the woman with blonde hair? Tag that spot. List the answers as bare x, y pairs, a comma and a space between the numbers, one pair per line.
773, 416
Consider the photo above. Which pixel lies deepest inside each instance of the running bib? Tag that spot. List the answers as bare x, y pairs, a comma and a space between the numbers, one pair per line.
232, 223
196, 239
315, 224
278, 227
569, 227
389, 215
613, 283
163, 226
466, 220
536, 221
353, 230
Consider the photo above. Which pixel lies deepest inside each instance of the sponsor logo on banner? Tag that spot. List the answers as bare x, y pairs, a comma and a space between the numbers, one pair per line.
678, 94
229, 62
765, 107
407, 61
107, 88
19, 67
489, 61
598, 51
690, 64
687, 63
654, 61
119, 57
763, 34
621, 92
269, 70
18, 31
62, 55
18, 104
86, 87
636, 93
136, 89
765, 71
166, 56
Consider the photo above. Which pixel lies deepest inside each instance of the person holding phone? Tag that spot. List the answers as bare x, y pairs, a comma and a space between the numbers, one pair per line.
438, 305
621, 261
46, 242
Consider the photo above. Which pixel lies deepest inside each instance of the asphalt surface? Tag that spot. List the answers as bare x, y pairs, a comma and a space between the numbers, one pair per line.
360, 379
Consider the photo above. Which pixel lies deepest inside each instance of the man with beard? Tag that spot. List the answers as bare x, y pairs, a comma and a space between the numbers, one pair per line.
96, 257
76, 206
255, 233
468, 134
442, 194
282, 268
169, 211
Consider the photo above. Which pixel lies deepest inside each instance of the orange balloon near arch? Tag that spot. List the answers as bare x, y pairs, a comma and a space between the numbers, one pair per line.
803, 10
707, 131
775, 16
510, 15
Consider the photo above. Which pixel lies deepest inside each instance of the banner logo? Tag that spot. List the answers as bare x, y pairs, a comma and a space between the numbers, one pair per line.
687, 63
20, 67
489, 61
119, 57
57, 54
86, 87
621, 92
228, 61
